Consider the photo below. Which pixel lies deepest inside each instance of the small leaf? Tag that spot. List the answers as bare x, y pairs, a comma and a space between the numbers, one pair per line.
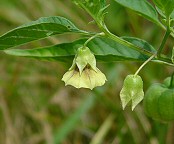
35, 30
96, 8
105, 50
166, 7
132, 91
142, 7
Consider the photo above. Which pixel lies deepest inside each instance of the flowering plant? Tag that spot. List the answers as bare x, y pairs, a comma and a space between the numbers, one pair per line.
103, 45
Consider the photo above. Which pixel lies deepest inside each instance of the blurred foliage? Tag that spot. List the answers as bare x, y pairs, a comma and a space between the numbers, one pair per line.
36, 107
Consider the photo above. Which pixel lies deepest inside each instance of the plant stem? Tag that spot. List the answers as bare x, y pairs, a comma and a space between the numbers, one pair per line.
159, 49
163, 129
164, 39
124, 42
94, 36
163, 62
163, 43
161, 59
172, 81
149, 59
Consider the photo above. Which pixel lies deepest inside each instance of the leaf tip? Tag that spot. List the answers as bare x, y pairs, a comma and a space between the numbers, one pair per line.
133, 107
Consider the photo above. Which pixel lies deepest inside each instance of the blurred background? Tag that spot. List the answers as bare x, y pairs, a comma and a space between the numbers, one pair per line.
36, 107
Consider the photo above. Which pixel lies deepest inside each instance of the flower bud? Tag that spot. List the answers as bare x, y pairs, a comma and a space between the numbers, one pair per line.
132, 91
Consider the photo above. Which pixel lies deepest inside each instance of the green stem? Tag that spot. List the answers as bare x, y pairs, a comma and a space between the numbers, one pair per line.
163, 62
167, 34
163, 129
94, 36
149, 59
108, 34
172, 81
159, 50
124, 42
132, 46
163, 43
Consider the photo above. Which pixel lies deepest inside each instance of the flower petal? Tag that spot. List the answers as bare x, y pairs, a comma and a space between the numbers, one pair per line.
85, 79
88, 79
93, 78
100, 78
72, 77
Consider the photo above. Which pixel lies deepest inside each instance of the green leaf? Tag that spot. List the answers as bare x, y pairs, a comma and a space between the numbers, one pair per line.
167, 6
73, 120
35, 30
104, 49
96, 8
132, 91
142, 7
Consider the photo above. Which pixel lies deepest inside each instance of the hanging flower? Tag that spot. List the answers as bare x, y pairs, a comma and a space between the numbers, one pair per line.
83, 73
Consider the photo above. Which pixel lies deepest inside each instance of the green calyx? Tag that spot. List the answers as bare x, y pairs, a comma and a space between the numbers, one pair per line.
150, 101
132, 91
169, 82
83, 73
159, 101
84, 57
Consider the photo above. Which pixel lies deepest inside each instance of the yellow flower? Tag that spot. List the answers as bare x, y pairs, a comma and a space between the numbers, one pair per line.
83, 73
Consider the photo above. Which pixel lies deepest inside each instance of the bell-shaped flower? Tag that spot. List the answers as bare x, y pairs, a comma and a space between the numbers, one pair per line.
83, 73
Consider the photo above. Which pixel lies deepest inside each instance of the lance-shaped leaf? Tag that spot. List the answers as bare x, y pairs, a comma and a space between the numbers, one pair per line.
96, 8
142, 7
132, 91
35, 30
104, 49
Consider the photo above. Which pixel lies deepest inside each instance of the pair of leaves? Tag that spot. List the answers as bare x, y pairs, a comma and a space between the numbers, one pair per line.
105, 49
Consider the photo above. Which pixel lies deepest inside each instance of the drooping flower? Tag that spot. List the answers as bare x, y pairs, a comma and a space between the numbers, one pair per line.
83, 73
